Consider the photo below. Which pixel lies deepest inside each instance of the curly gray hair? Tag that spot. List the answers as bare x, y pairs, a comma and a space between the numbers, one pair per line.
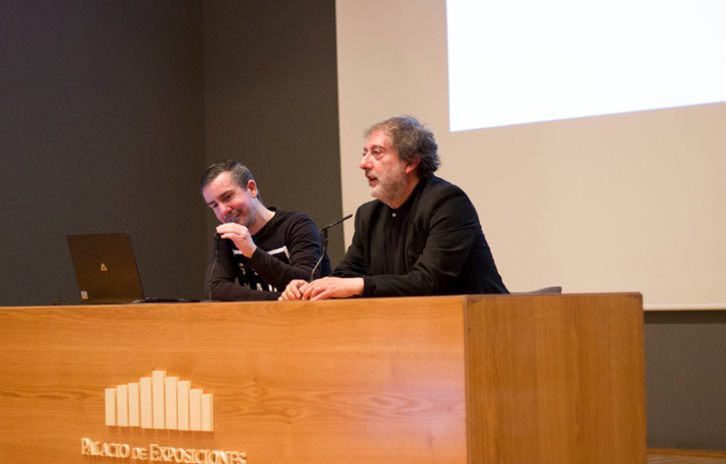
411, 139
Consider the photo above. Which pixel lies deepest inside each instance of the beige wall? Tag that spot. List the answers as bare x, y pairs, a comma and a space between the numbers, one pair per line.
624, 202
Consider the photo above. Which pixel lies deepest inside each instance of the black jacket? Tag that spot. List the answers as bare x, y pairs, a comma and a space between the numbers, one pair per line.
432, 245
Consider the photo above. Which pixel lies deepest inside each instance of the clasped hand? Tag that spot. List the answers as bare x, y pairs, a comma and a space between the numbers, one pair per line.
321, 289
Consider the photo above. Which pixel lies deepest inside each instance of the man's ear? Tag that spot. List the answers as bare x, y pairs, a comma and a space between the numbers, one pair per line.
412, 165
252, 188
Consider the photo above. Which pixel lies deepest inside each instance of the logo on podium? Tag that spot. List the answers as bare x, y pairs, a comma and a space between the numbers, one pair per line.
160, 402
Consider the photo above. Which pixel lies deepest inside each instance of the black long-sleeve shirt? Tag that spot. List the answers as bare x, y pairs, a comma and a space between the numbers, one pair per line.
288, 247
432, 245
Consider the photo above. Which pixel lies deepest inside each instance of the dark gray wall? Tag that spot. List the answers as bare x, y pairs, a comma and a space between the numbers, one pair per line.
685, 375
271, 102
101, 129
103, 121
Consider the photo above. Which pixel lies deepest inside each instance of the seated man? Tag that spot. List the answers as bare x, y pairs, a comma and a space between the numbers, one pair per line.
258, 250
420, 237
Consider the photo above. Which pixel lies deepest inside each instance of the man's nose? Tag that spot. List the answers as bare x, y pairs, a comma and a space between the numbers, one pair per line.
365, 162
224, 210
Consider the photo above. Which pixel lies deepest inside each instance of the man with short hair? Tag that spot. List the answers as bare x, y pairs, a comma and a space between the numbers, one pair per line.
420, 237
258, 250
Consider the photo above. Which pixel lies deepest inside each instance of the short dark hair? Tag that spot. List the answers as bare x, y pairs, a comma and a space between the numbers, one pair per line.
240, 173
411, 139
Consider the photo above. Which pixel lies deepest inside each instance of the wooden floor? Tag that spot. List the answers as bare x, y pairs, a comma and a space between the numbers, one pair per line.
667, 456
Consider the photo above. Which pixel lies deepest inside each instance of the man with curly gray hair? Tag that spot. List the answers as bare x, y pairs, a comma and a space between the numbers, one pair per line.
421, 236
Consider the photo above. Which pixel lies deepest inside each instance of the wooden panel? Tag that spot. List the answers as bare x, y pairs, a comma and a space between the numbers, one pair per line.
359, 380
545, 378
556, 379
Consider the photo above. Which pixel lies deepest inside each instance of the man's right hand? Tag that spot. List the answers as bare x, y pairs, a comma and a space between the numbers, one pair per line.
240, 236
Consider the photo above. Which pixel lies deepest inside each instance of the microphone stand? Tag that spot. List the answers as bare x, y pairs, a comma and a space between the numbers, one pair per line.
324, 235
212, 267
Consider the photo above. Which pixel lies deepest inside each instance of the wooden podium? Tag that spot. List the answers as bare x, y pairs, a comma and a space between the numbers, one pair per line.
460, 379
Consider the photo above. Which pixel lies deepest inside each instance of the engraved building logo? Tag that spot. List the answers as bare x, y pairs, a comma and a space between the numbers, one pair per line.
160, 402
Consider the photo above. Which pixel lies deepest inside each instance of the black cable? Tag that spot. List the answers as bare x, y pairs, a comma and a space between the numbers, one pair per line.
212, 267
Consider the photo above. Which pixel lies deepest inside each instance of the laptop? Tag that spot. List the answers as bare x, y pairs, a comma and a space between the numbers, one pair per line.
106, 269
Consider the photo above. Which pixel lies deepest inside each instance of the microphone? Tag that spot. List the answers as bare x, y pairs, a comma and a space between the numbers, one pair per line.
325, 228
324, 233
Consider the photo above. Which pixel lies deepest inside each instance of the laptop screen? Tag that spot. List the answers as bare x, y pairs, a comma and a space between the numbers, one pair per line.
105, 268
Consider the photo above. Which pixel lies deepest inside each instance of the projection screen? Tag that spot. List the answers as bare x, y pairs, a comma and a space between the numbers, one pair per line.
632, 201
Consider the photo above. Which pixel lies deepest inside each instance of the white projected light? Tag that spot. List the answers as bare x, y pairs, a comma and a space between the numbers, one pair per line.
525, 61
